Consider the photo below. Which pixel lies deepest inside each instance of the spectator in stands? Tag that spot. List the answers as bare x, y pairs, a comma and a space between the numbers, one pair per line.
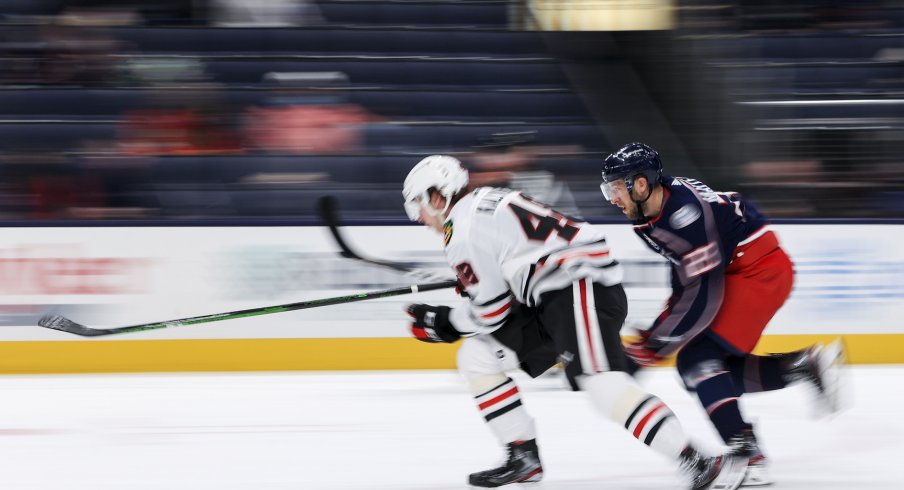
307, 113
46, 185
811, 15
73, 48
24, 55
180, 123
82, 55
785, 187
264, 13
512, 160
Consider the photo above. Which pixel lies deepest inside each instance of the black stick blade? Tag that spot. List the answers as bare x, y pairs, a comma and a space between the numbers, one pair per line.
328, 209
63, 324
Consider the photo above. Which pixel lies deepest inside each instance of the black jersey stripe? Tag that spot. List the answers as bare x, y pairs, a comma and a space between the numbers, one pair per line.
494, 300
527, 279
549, 270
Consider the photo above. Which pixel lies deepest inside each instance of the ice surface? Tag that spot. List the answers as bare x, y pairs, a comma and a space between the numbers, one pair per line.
397, 431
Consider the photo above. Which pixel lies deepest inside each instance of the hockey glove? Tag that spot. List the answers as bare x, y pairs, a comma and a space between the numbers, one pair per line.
460, 289
431, 323
639, 350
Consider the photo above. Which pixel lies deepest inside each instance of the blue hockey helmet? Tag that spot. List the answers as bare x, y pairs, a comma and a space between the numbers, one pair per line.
626, 164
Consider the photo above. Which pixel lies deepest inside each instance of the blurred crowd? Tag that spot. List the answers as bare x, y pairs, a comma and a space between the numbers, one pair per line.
795, 103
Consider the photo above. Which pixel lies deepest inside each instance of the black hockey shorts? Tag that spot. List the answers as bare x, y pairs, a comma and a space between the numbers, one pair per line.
577, 326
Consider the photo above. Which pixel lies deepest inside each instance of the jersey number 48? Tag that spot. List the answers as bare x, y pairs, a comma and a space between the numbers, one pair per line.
539, 227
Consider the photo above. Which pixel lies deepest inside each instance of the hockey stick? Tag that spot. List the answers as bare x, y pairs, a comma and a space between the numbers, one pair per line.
63, 324
328, 209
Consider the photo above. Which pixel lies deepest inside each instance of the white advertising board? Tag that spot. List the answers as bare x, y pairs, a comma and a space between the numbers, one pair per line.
848, 279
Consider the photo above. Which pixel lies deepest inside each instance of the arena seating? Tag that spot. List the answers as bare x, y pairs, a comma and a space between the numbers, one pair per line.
438, 77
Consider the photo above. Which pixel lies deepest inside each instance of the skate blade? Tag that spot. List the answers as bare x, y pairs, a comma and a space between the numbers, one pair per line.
756, 476
833, 370
535, 477
731, 475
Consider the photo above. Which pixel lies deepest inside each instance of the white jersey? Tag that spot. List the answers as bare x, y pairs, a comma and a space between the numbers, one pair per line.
505, 247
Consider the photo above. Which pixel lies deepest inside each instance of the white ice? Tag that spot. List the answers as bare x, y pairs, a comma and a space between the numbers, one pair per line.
396, 431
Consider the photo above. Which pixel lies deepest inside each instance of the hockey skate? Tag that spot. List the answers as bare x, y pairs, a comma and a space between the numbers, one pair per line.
523, 465
745, 444
821, 366
724, 472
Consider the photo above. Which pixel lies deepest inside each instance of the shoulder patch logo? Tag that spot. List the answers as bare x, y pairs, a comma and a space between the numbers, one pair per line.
684, 216
447, 232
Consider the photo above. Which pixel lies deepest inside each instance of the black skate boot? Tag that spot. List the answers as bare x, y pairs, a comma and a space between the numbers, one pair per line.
523, 465
819, 366
745, 444
724, 472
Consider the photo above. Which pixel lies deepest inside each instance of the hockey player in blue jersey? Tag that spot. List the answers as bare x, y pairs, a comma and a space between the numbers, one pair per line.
729, 276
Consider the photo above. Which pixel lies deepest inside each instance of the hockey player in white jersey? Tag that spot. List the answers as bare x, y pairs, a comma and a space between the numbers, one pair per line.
543, 288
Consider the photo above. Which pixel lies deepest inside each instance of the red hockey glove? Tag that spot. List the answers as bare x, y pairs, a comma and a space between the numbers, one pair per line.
431, 323
640, 351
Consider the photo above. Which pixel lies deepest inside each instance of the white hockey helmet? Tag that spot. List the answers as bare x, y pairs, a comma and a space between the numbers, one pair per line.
440, 172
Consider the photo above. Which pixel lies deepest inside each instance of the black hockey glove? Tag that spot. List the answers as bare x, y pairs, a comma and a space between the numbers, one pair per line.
431, 323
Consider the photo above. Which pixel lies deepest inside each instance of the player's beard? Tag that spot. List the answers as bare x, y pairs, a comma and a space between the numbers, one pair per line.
633, 211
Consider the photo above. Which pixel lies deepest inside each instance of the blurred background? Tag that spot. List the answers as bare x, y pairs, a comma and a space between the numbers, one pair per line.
196, 110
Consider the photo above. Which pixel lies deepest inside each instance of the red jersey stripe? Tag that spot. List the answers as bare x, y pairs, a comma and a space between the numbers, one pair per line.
498, 312
592, 255
586, 315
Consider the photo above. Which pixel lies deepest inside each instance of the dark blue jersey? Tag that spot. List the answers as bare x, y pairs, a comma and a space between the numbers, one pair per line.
697, 230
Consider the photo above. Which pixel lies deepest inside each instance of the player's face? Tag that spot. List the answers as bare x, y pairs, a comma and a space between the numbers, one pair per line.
431, 220
616, 192
430, 212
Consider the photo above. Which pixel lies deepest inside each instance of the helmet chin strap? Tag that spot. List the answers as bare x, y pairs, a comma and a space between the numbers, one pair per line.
639, 203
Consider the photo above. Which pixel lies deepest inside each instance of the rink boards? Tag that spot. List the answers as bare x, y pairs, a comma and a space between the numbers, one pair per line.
848, 284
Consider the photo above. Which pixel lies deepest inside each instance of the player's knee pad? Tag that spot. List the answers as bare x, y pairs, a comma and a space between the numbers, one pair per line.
483, 361
615, 393
692, 374
478, 356
700, 360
